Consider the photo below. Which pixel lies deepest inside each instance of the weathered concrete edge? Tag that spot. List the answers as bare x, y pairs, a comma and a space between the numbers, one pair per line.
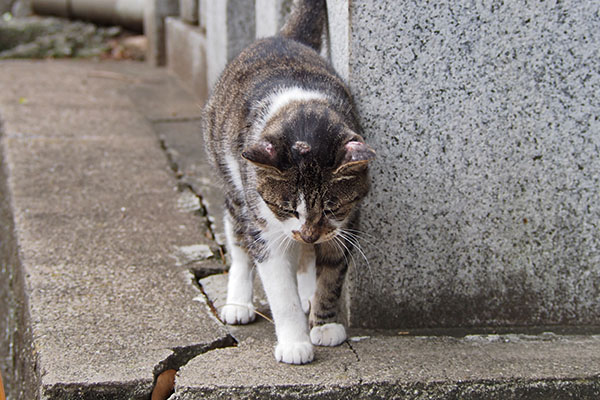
22, 378
19, 364
19, 358
133, 390
180, 356
366, 383
583, 388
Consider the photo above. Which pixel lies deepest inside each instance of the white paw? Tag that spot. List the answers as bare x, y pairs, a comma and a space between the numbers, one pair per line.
294, 353
328, 335
237, 315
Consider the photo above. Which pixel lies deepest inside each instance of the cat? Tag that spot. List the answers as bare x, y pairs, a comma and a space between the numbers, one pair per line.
282, 132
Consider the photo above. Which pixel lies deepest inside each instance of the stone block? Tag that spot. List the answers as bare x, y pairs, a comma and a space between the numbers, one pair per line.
339, 34
270, 16
230, 27
186, 55
188, 11
485, 204
155, 12
202, 17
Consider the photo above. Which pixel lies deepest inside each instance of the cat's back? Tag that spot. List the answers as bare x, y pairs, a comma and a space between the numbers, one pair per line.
267, 66
266, 76
274, 59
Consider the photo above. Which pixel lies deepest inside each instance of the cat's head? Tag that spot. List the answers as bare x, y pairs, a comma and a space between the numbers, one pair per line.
311, 170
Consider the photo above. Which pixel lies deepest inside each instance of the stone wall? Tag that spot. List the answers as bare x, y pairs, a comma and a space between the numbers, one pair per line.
485, 206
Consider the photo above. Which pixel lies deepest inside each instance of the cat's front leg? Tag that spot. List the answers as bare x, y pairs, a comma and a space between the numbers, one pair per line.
331, 270
278, 276
306, 277
238, 308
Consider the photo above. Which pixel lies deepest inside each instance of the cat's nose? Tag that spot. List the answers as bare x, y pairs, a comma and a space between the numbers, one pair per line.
310, 236
306, 236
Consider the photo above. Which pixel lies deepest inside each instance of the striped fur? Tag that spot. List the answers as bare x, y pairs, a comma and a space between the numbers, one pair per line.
282, 132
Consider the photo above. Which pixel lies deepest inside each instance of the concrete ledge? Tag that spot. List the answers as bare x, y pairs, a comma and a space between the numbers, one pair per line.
98, 238
396, 365
155, 12
186, 48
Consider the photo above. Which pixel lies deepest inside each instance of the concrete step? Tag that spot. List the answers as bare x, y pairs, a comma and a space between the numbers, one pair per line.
98, 235
108, 215
384, 364
186, 54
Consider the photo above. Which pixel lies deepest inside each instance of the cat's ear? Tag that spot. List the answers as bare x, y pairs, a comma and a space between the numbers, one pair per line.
357, 155
262, 154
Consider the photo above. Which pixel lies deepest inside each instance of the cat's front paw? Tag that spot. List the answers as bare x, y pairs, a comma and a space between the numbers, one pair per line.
237, 315
294, 353
328, 335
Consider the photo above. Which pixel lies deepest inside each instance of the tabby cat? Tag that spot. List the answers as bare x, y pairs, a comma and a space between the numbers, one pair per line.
282, 132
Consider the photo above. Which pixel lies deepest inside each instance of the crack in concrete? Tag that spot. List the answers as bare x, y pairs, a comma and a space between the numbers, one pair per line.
180, 356
202, 210
209, 303
353, 350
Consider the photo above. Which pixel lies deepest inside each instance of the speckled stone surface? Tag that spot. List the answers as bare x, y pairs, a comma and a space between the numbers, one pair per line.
485, 206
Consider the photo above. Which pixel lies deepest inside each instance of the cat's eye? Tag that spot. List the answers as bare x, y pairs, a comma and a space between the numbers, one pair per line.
281, 209
335, 212
332, 207
291, 212
288, 211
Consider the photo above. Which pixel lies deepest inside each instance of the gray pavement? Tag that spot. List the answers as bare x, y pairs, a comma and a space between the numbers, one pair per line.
103, 235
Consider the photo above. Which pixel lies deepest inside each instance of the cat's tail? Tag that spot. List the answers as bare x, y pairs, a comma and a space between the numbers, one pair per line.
306, 22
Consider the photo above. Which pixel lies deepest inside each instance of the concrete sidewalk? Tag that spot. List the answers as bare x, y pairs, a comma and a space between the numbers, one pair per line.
109, 215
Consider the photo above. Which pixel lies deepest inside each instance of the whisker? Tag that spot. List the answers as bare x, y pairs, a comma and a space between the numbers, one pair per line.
357, 236
358, 232
335, 241
288, 243
270, 243
355, 244
355, 240
337, 238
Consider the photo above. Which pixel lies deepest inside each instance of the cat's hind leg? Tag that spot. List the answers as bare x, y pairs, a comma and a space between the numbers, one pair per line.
238, 308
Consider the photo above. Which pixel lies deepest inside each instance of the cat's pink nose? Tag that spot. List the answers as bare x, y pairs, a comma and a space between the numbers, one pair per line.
306, 236
310, 237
